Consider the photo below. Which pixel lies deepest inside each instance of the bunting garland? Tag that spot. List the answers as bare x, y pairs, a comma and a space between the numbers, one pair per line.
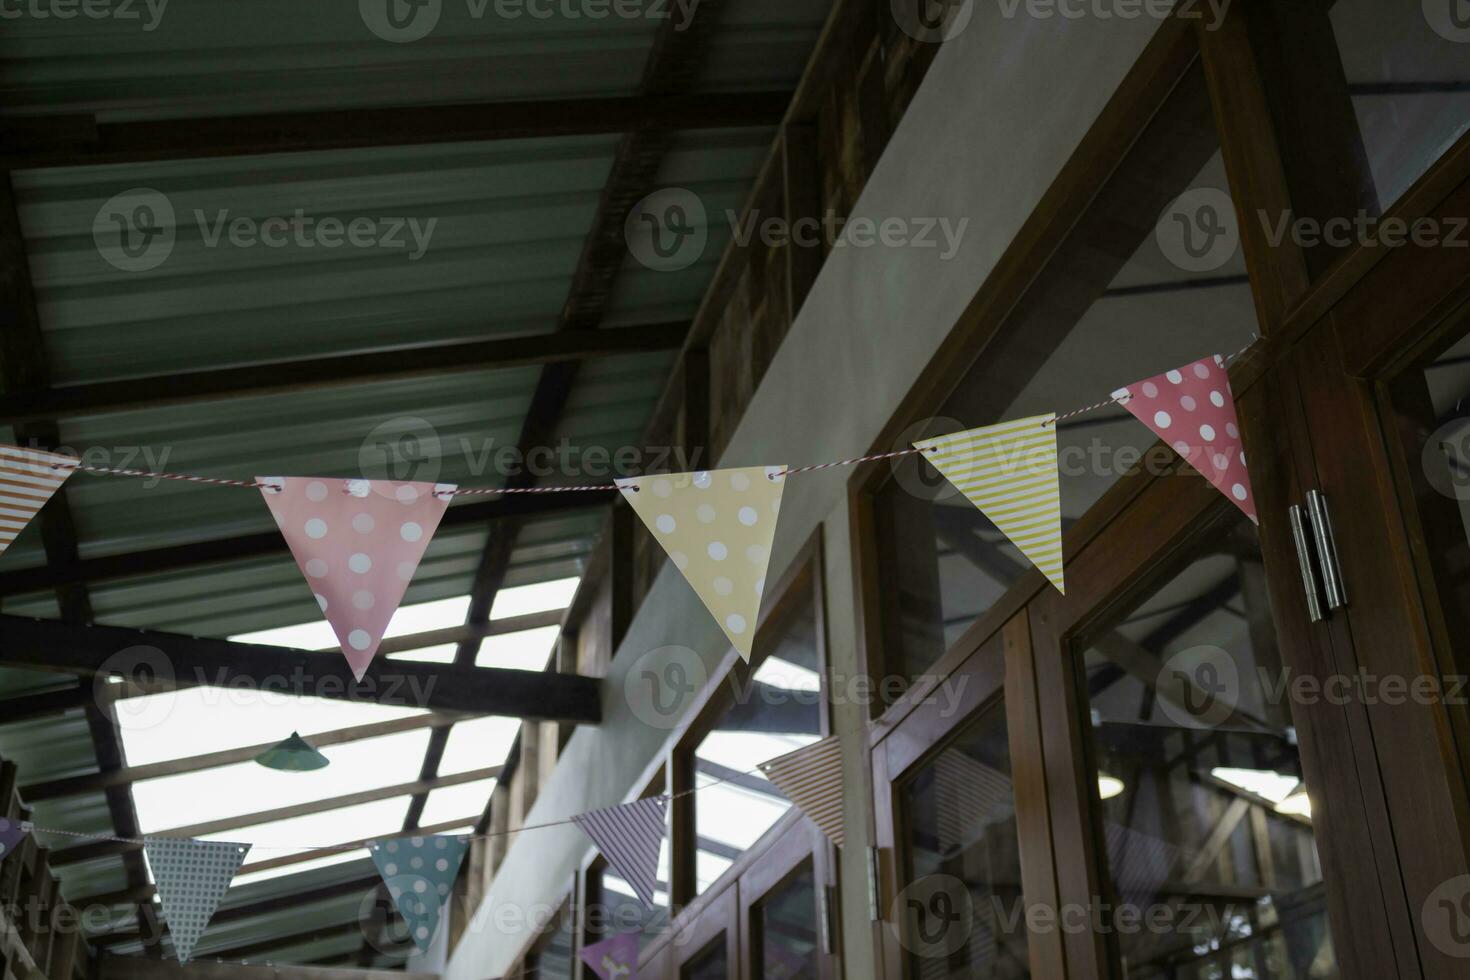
630, 837
28, 478
717, 526
191, 876
358, 542
1009, 471
420, 873
615, 958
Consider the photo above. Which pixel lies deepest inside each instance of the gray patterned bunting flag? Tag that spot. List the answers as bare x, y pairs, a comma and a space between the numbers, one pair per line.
630, 836
192, 876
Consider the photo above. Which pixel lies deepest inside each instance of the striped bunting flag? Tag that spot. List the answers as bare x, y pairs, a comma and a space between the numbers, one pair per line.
811, 777
630, 836
970, 796
28, 478
1009, 471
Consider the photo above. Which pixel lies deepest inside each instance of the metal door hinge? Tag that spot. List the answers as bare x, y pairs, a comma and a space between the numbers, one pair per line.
875, 871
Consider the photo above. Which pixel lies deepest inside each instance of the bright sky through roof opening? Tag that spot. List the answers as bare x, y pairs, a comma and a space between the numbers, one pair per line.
196, 721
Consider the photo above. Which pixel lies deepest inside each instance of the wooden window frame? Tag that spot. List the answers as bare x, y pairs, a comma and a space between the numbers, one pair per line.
1141, 118
1250, 91
802, 581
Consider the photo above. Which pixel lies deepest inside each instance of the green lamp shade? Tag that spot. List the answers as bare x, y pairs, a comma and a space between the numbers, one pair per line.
295, 754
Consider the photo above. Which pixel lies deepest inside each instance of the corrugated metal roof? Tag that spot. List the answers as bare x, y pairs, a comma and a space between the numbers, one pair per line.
509, 220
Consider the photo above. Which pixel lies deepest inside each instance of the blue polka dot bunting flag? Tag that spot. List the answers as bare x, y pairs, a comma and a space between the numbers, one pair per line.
191, 876
717, 527
419, 873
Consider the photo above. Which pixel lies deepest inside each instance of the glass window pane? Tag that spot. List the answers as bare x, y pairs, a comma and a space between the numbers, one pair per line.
786, 930
959, 908
1429, 406
1408, 72
777, 710
1138, 296
712, 964
552, 959
1206, 822
621, 911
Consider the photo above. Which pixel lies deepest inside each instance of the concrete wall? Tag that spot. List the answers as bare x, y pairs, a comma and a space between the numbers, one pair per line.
999, 112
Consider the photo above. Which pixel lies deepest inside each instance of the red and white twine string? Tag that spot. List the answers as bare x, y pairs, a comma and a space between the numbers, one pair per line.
494, 491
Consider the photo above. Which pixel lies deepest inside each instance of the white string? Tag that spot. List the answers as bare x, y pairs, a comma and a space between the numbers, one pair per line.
575, 488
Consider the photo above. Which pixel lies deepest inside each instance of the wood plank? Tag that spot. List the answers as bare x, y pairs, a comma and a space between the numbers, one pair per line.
82, 649
79, 853
134, 968
95, 782
280, 377
51, 142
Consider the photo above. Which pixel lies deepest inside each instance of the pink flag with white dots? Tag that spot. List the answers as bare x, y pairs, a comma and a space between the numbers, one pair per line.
358, 543
1193, 410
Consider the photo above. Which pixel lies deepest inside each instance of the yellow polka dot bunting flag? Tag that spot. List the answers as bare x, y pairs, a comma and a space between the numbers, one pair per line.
1009, 471
191, 876
358, 543
717, 527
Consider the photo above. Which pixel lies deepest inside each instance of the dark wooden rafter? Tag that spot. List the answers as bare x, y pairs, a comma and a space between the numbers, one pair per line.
278, 377
43, 644
673, 65
478, 511
23, 369
81, 140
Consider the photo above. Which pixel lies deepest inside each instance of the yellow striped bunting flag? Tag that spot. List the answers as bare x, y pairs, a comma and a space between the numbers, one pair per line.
1009, 471
28, 478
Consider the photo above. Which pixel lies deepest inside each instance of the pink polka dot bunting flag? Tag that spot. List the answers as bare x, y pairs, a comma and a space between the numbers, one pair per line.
615, 958
358, 542
717, 527
1192, 409
419, 873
